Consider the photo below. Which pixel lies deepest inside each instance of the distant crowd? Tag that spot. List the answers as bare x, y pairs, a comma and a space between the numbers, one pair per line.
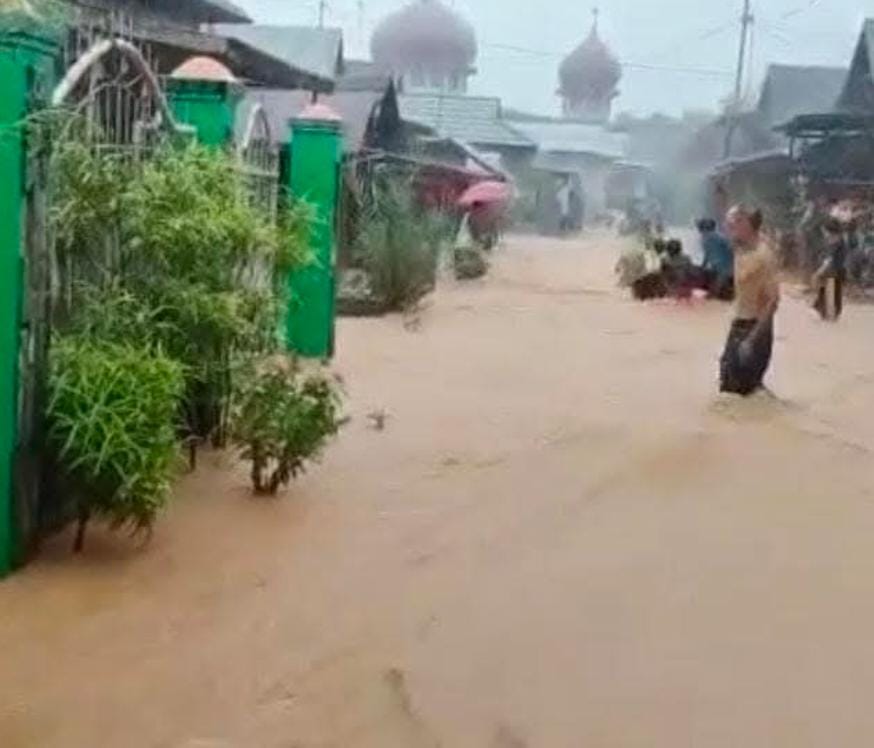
826, 223
742, 266
661, 268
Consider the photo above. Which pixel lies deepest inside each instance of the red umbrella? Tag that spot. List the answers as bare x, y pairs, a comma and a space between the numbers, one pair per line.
486, 193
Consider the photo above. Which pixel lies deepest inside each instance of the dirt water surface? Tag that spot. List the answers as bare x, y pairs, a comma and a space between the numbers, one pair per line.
560, 538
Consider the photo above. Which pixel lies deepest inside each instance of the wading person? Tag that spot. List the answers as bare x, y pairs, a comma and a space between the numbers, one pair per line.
677, 270
750, 341
717, 265
829, 279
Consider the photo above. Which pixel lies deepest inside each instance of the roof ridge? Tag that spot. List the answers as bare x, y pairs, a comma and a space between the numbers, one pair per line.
442, 95
791, 66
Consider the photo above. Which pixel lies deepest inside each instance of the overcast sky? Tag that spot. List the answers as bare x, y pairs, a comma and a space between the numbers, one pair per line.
687, 49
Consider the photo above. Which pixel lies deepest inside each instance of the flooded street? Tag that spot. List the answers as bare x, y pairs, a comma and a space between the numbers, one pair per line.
562, 537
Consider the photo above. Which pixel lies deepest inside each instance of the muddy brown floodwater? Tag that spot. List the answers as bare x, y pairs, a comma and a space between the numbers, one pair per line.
561, 538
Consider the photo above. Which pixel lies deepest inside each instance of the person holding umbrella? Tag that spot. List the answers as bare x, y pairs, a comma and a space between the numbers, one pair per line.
485, 203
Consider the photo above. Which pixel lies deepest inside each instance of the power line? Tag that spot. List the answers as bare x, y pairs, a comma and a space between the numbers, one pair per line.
625, 64
749, 77
698, 37
776, 33
800, 10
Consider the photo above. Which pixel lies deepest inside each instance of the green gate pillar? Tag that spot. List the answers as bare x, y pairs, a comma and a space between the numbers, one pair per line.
204, 94
27, 73
314, 176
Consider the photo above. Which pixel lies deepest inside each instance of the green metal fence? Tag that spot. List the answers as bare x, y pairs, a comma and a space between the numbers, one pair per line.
93, 82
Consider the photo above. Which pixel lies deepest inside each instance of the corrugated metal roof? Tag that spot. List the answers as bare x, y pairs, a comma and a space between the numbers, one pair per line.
469, 119
224, 11
200, 11
315, 51
280, 106
361, 75
868, 35
856, 95
790, 90
767, 160
574, 137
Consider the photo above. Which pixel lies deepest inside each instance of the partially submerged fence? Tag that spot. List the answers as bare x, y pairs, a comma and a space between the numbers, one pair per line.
94, 82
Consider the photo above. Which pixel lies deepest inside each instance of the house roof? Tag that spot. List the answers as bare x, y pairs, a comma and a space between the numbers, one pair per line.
172, 46
201, 11
790, 90
769, 162
857, 94
867, 37
520, 115
560, 136
469, 119
281, 106
253, 64
750, 136
832, 123
221, 11
318, 52
362, 75
424, 168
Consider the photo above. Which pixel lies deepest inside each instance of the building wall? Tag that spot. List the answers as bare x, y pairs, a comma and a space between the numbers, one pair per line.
593, 111
593, 172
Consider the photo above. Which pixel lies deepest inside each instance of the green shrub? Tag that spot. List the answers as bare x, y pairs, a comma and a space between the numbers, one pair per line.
173, 252
469, 263
111, 421
284, 418
399, 246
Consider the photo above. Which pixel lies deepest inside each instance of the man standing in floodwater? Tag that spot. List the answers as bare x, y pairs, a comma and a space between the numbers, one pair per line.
750, 341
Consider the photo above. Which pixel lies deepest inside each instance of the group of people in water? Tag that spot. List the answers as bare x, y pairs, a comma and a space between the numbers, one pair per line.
738, 265
663, 269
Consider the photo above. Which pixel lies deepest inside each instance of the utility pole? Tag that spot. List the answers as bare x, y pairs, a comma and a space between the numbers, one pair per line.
746, 23
323, 7
360, 23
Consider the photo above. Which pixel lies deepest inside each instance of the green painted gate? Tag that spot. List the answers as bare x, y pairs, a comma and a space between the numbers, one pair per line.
102, 85
27, 72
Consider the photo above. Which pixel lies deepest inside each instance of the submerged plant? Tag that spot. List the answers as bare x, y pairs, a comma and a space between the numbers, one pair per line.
173, 251
284, 418
399, 246
111, 423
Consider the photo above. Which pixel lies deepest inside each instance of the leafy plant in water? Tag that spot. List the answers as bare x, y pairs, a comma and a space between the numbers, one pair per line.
399, 245
216, 265
200, 270
283, 419
111, 423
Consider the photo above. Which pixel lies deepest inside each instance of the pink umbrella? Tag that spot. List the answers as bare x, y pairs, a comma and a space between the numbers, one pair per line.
486, 193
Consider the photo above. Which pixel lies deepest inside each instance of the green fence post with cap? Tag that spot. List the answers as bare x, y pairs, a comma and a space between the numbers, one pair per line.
27, 72
204, 94
314, 176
